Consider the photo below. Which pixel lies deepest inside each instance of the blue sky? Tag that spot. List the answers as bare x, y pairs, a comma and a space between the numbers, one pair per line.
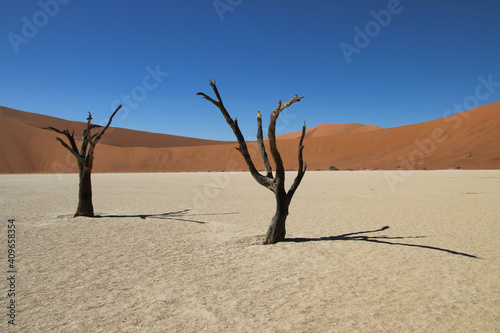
411, 62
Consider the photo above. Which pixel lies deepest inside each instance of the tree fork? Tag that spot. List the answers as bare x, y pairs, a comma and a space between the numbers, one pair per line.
85, 160
276, 231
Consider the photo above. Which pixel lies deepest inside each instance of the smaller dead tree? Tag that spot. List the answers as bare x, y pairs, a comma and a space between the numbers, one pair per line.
85, 160
276, 231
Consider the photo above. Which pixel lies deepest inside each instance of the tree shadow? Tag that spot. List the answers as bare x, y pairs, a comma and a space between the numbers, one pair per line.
178, 216
355, 236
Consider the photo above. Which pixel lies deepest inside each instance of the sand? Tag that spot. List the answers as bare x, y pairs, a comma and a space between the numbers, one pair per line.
467, 140
180, 252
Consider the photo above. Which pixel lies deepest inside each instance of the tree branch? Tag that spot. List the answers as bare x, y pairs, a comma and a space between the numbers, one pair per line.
220, 105
71, 138
101, 133
85, 138
85, 143
94, 139
280, 169
54, 129
75, 153
302, 167
262, 148
264, 181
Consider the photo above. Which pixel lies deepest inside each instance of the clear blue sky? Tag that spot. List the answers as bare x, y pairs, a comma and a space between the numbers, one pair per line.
86, 55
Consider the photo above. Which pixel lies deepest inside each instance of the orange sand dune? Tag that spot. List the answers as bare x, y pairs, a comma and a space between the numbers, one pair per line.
329, 130
469, 140
119, 137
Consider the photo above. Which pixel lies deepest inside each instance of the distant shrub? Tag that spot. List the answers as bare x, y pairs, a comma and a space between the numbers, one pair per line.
468, 156
332, 168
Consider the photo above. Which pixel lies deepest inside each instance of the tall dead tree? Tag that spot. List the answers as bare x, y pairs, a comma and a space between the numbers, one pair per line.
85, 160
276, 231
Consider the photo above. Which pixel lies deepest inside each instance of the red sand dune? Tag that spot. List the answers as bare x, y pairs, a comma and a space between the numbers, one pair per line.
329, 130
439, 144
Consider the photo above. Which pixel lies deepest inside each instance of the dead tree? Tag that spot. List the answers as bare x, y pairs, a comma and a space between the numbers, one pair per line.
276, 231
85, 160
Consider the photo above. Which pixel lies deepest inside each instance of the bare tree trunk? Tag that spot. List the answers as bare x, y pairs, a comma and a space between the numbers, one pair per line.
277, 230
85, 207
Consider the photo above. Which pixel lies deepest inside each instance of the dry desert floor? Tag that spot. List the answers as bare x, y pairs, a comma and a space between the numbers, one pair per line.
367, 251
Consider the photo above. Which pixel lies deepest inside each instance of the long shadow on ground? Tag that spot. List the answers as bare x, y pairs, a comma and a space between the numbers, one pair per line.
178, 216
355, 236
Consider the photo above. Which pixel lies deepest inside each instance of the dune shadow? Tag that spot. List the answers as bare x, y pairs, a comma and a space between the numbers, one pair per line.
358, 236
181, 215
